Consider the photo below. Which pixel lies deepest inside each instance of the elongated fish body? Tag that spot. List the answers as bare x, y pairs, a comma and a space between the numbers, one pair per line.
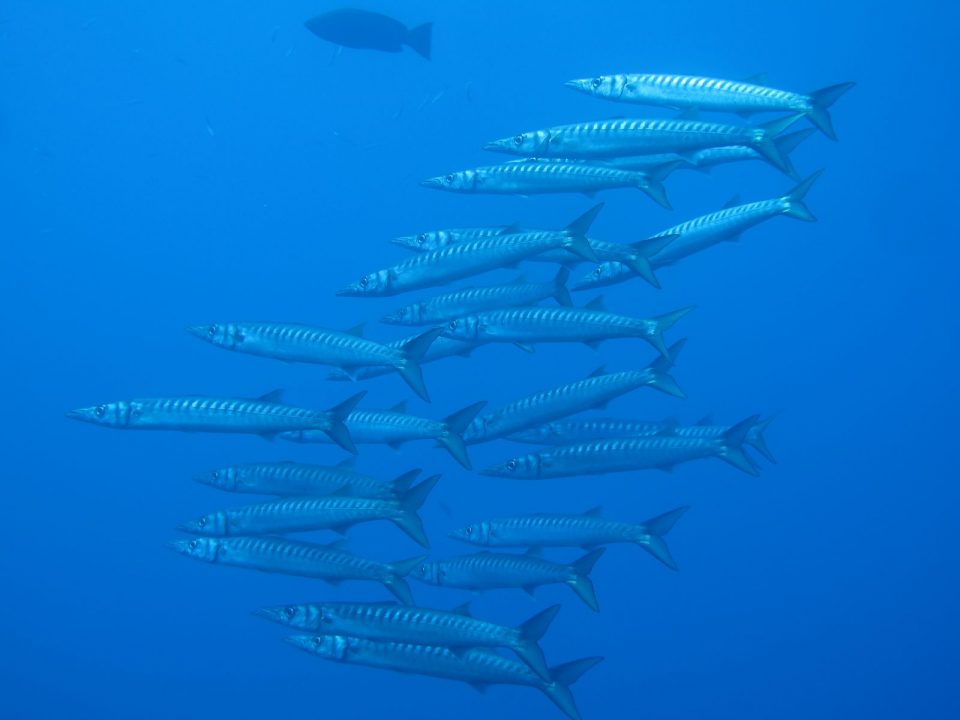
535, 176
660, 452
291, 479
436, 239
480, 299
479, 667
592, 392
440, 349
393, 623
587, 530
703, 232
539, 324
288, 557
713, 94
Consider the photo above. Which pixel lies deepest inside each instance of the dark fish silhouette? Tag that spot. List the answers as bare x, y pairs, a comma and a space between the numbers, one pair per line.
370, 31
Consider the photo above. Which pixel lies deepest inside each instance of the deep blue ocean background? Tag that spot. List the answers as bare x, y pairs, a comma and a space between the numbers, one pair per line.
168, 164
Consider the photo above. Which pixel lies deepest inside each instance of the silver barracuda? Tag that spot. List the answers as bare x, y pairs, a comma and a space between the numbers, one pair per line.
388, 622
714, 94
478, 667
491, 571
306, 514
265, 416
574, 431
441, 348
290, 479
587, 530
532, 176
462, 260
661, 452
708, 230
592, 392
288, 557
620, 138
706, 160
456, 304
395, 427
436, 239
590, 325
348, 351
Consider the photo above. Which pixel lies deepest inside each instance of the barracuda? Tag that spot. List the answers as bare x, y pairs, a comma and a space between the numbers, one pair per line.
590, 325
599, 457
476, 666
701, 93
490, 571
619, 138
436, 239
479, 299
533, 176
708, 230
292, 479
348, 351
387, 622
571, 432
395, 427
306, 514
592, 392
472, 258
288, 557
441, 348
264, 416
587, 530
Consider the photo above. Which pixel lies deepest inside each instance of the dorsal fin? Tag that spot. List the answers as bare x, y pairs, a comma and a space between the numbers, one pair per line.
732, 202
274, 396
511, 229
534, 551
400, 407
341, 544
356, 330
520, 279
689, 114
706, 419
347, 464
462, 609
670, 426
756, 79
602, 370
594, 511
596, 304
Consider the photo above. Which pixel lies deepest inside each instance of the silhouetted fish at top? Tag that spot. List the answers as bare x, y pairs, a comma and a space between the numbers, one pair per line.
370, 31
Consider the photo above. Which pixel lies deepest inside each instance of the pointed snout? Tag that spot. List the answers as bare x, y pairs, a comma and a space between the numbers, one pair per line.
199, 331
180, 546
502, 145
82, 414
406, 241
434, 182
272, 614
304, 642
581, 84
351, 290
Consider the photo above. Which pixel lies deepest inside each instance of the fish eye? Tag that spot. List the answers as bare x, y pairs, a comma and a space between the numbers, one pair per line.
449, 179
452, 325
518, 140
216, 474
201, 522
469, 530
364, 280
421, 238
596, 82
290, 611
512, 465
423, 570
598, 272
212, 330
193, 544
100, 411
317, 641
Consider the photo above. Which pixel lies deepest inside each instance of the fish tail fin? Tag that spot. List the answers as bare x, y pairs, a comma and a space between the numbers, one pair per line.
410, 502
418, 39
456, 424
653, 187
786, 144
528, 646
338, 431
655, 528
731, 449
402, 483
581, 583
662, 323
560, 292
413, 351
767, 145
395, 582
564, 676
758, 442
577, 234
639, 261
794, 206
659, 369
820, 101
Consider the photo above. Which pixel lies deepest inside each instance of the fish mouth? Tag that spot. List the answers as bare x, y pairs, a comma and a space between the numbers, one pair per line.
350, 290
501, 145
494, 470
406, 241
394, 318
434, 182
188, 528
575, 84
304, 642
179, 546
273, 614
199, 331
82, 414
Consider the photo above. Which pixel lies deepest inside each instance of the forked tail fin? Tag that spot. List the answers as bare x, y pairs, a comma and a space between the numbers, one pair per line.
418, 39
413, 351
793, 201
456, 424
731, 449
767, 145
820, 101
395, 582
662, 323
660, 378
564, 676
654, 529
581, 583
528, 643
338, 431
408, 520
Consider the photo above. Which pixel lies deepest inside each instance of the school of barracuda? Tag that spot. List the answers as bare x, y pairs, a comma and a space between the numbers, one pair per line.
580, 158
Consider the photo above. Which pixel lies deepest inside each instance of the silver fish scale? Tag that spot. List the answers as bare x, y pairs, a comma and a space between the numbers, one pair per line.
693, 90
323, 561
411, 616
523, 569
561, 167
558, 317
679, 127
493, 243
307, 336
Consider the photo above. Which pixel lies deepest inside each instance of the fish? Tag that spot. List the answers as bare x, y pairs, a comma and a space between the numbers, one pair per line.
265, 416
706, 160
570, 432
456, 304
436, 239
337, 512
589, 325
290, 479
289, 557
489, 571
586, 530
714, 94
472, 258
660, 452
387, 622
394, 427
441, 348
365, 30
592, 392
478, 667
533, 175
703, 232
622, 137
348, 351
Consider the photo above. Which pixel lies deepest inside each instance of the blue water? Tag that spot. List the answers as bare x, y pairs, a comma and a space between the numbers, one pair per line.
167, 164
